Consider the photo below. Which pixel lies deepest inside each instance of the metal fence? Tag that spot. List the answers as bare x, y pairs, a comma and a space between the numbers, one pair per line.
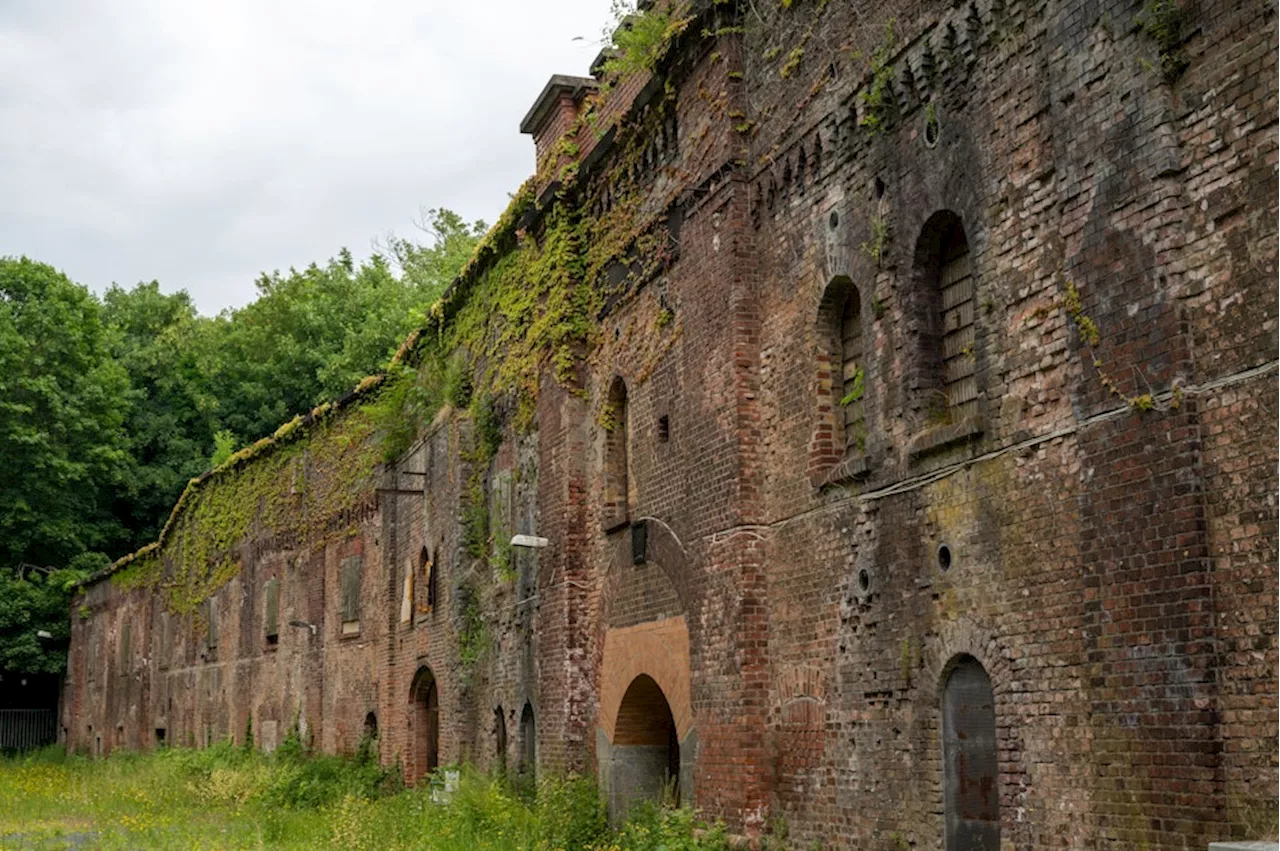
27, 729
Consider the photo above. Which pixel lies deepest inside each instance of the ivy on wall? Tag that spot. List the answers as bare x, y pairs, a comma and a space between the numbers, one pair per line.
524, 305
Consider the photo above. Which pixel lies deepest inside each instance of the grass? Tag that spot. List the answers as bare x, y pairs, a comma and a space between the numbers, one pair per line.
223, 797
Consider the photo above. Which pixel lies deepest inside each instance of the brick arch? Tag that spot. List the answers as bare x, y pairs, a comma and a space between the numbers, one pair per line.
659, 650
801, 682
962, 637
664, 555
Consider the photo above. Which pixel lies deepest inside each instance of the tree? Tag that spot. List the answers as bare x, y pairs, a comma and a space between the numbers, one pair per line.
312, 335
429, 269
63, 401
32, 601
169, 425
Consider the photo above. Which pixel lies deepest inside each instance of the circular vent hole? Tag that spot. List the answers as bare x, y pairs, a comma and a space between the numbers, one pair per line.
944, 557
864, 580
834, 220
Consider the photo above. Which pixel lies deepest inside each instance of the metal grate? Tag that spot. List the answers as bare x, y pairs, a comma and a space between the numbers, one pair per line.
27, 729
958, 362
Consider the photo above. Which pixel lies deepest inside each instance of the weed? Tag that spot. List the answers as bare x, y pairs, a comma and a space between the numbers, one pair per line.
875, 246
226, 797
1162, 20
876, 98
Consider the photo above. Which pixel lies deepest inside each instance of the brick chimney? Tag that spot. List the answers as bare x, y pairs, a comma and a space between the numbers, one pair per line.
554, 111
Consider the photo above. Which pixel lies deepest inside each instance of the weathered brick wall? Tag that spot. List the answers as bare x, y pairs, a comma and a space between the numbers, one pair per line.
1108, 513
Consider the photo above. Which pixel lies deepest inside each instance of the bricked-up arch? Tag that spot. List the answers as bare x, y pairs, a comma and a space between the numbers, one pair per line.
970, 763
617, 475
799, 728
424, 724
645, 755
942, 310
840, 430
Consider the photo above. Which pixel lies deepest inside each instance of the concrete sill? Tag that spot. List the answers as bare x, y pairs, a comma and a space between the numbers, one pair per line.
1239, 845
855, 467
943, 435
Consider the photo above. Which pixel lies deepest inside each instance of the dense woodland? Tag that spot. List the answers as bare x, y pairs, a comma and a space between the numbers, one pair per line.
108, 406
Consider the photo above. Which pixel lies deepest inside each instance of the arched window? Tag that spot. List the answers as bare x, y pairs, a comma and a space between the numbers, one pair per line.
852, 371
946, 374
970, 767
617, 485
429, 576
838, 449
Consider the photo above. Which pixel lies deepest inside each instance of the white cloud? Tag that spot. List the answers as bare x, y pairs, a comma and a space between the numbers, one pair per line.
201, 144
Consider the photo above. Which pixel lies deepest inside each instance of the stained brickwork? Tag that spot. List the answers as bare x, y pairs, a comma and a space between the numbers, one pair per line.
1078, 495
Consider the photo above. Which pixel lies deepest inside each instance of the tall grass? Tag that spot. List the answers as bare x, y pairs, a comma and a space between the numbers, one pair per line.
223, 797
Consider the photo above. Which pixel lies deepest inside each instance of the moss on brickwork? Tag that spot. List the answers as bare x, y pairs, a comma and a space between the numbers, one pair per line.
296, 485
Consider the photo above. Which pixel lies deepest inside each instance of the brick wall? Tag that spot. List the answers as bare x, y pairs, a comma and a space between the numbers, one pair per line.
1100, 536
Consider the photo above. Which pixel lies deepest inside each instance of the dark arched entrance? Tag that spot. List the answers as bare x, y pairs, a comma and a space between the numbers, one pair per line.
424, 723
646, 749
970, 770
528, 743
500, 739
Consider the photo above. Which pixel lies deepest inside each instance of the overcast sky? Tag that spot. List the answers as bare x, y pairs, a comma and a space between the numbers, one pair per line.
200, 143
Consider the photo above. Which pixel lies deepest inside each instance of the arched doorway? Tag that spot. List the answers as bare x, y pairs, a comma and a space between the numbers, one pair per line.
500, 740
646, 749
424, 723
367, 750
528, 743
970, 768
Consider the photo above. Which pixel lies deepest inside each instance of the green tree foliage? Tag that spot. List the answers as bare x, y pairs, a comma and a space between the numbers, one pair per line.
312, 335
63, 403
428, 269
32, 601
157, 338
